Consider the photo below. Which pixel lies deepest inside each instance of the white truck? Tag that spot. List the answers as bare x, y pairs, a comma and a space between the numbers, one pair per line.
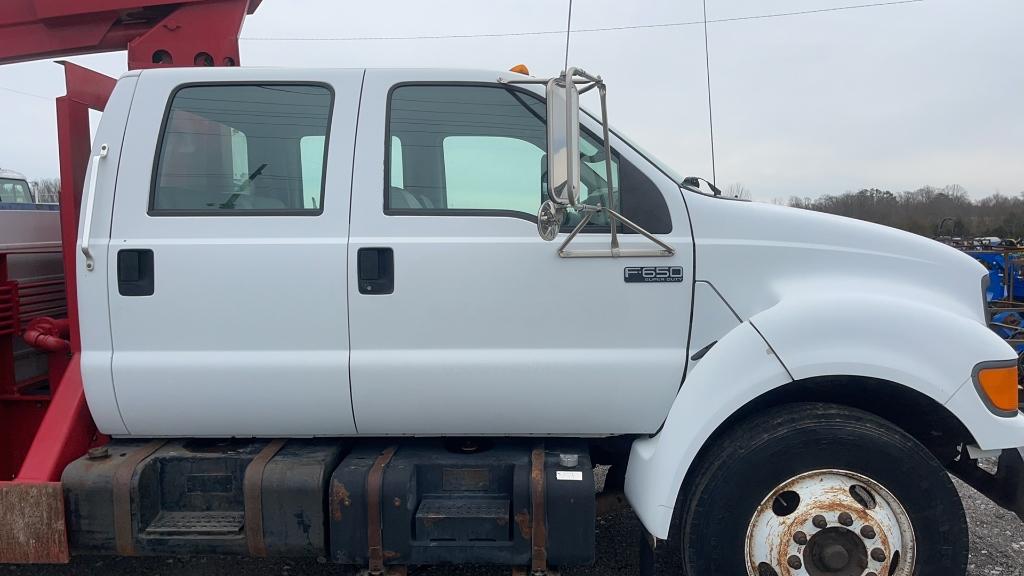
320, 314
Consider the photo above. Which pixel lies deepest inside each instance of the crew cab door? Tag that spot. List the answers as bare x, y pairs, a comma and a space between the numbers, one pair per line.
227, 255
463, 320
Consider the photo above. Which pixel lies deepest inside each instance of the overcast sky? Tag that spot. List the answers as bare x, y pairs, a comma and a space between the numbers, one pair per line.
892, 97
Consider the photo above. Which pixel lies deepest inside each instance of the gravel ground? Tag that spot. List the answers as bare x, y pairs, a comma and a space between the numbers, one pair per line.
997, 548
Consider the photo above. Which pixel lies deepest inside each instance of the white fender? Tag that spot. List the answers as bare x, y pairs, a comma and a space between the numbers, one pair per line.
915, 343
925, 348
737, 369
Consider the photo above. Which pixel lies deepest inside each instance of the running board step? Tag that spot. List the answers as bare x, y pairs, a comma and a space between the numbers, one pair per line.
449, 520
196, 524
190, 497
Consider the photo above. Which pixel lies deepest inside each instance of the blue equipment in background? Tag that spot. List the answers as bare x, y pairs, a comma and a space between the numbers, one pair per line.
1005, 292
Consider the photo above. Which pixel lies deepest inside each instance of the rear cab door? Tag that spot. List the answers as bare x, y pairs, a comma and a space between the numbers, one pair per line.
226, 267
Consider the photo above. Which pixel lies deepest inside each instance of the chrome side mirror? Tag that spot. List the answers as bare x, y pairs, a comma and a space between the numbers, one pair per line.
563, 110
563, 161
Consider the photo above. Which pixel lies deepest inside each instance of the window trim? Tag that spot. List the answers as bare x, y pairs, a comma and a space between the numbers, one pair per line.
489, 212
152, 211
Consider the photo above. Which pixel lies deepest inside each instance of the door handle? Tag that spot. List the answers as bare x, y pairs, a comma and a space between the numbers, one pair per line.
376, 270
135, 272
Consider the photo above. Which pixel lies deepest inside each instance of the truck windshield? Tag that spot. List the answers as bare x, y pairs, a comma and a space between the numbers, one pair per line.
15, 191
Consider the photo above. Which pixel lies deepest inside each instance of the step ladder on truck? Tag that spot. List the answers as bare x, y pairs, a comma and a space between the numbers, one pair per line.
323, 313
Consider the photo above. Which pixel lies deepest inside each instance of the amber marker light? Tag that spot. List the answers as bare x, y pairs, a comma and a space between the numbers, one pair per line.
997, 384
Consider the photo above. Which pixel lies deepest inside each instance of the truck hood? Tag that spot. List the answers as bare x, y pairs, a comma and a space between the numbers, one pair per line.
758, 254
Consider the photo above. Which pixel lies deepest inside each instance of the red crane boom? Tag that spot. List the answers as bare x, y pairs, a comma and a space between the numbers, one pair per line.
155, 33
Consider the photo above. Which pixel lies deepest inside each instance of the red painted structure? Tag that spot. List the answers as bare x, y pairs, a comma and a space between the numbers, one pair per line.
42, 431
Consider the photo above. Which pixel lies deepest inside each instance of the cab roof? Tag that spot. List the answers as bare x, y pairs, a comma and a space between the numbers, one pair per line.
11, 174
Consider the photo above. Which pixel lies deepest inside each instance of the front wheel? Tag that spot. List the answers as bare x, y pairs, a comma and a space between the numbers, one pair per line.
821, 490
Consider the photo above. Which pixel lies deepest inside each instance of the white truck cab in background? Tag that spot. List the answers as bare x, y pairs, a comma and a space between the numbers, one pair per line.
355, 253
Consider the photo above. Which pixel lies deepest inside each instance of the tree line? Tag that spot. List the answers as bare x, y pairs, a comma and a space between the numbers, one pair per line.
921, 211
46, 190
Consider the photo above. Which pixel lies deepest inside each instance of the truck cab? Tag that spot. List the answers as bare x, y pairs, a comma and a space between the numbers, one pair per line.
303, 255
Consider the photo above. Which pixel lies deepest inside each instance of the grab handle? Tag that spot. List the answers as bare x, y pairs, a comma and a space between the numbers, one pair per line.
90, 196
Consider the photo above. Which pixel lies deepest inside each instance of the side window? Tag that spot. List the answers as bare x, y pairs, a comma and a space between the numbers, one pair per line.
238, 149
465, 148
15, 191
476, 149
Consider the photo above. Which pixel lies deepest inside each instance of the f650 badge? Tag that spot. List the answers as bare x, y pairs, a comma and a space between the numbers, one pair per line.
644, 274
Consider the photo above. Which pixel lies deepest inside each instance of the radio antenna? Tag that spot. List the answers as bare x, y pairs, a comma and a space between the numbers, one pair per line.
568, 31
711, 113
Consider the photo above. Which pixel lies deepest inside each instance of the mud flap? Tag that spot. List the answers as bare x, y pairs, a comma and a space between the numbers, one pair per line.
1010, 477
1005, 487
32, 523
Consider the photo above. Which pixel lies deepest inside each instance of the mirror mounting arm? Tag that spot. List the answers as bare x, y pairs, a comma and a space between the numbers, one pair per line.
612, 205
614, 250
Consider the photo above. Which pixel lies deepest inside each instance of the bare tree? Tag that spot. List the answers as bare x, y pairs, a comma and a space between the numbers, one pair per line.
47, 190
737, 190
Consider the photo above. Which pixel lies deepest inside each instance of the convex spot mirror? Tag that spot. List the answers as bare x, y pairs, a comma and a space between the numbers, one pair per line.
563, 109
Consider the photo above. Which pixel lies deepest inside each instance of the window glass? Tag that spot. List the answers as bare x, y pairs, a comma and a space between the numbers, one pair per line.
492, 173
15, 191
311, 149
482, 148
243, 149
397, 170
465, 148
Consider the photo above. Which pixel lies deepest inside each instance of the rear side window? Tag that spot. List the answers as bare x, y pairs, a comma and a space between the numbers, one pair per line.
243, 149
15, 191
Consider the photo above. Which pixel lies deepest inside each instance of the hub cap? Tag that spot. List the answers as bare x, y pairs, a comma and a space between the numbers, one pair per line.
830, 523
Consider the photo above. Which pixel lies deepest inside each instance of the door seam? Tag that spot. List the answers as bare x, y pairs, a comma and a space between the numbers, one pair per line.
348, 252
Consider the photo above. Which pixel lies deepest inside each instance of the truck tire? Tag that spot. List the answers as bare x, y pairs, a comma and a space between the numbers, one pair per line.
820, 489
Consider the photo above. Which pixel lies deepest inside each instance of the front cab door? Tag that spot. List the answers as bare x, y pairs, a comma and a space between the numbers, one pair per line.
485, 329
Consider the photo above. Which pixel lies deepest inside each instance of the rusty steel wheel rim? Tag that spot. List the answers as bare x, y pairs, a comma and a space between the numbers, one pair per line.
830, 523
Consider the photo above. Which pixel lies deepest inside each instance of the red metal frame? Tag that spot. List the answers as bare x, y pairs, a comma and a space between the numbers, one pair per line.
155, 32
40, 434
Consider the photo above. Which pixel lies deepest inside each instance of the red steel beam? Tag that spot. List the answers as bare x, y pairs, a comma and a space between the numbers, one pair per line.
160, 33
32, 504
67, 430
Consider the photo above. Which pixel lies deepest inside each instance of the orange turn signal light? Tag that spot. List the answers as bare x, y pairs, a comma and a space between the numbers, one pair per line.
999, 386
520, 69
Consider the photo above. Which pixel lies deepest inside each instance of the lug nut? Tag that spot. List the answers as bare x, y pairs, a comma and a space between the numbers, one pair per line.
878, 555
819, 522
868, 532
794, 562
800, 538
845, 519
